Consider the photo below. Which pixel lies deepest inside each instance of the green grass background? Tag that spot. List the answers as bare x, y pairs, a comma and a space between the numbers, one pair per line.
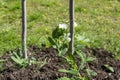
98, 20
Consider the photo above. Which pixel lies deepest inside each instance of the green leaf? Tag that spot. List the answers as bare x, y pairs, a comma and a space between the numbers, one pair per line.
82, 65
64, 78
62, 52
72, 71
91, 73
2, 61
82, 56
90, 59
65, 45
19, 61
41, 64
73, 61
51, 40
57, 33
109, 67
1, 64
78, 47
16, 55
85, 78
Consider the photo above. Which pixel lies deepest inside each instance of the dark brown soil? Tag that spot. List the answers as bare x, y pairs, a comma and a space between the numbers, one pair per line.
50, 70
104, 58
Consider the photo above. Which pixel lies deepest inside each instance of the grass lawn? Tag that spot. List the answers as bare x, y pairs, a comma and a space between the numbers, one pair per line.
97, 20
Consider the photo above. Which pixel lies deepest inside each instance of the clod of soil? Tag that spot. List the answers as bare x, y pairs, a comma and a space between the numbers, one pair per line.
53, 63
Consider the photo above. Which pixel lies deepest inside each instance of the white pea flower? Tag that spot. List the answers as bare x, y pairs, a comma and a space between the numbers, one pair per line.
75, 24
68, 34
67, 37
63, 26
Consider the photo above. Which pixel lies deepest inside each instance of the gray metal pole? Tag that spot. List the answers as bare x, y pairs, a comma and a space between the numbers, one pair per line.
24, 26
71, 16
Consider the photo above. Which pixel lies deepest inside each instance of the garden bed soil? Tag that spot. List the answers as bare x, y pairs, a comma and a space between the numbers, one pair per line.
53, 63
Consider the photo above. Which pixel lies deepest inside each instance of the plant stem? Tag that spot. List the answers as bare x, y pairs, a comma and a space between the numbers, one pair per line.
24, 25
80, 77
71, 16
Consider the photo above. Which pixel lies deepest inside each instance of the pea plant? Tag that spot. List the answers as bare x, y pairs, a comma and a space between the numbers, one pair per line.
63, 40
75, 69
60, 40
23, 62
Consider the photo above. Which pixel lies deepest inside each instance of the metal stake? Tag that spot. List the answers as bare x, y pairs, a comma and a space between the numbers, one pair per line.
71, 16
24, 26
